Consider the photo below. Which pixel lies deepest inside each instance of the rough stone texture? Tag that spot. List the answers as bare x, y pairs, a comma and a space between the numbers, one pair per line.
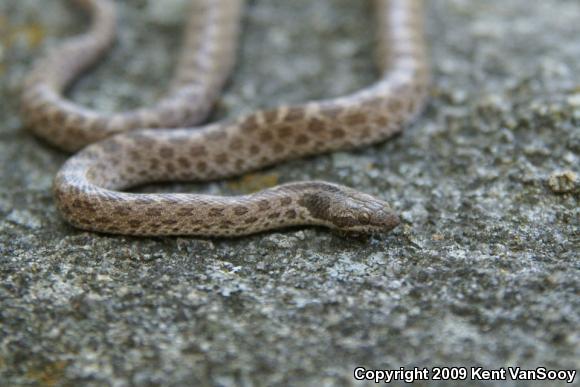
484, 271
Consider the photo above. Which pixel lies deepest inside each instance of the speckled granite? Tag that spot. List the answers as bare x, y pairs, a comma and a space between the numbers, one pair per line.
484, 271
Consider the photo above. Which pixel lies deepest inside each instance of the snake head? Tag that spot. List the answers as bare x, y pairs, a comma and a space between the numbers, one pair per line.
348, 210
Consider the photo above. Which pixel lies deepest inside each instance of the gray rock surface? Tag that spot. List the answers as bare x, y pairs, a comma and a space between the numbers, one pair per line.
485, 270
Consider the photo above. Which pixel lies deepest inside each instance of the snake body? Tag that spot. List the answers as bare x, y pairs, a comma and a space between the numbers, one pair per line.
89, 188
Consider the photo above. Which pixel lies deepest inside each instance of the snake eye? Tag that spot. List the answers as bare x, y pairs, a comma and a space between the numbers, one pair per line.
364, 218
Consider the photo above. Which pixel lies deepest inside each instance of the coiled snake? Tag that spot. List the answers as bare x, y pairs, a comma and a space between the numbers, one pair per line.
120, 154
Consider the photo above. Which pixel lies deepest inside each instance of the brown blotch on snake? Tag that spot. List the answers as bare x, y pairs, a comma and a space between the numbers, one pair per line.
88, 189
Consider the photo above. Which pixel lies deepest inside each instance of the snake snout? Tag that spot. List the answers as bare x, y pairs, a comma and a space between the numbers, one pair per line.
387, 219
381, 218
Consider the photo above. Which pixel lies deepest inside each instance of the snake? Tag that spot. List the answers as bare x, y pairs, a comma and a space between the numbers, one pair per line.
170, 142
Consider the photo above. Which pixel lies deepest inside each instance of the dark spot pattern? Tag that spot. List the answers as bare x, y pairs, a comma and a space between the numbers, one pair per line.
285, 131
183, 162
301, 139
216, 211
356, 119
221, 158
236, 144
338, 133
266, 136
316, 126
240, 210
166, 152
201, 166
250, 220
197, 150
